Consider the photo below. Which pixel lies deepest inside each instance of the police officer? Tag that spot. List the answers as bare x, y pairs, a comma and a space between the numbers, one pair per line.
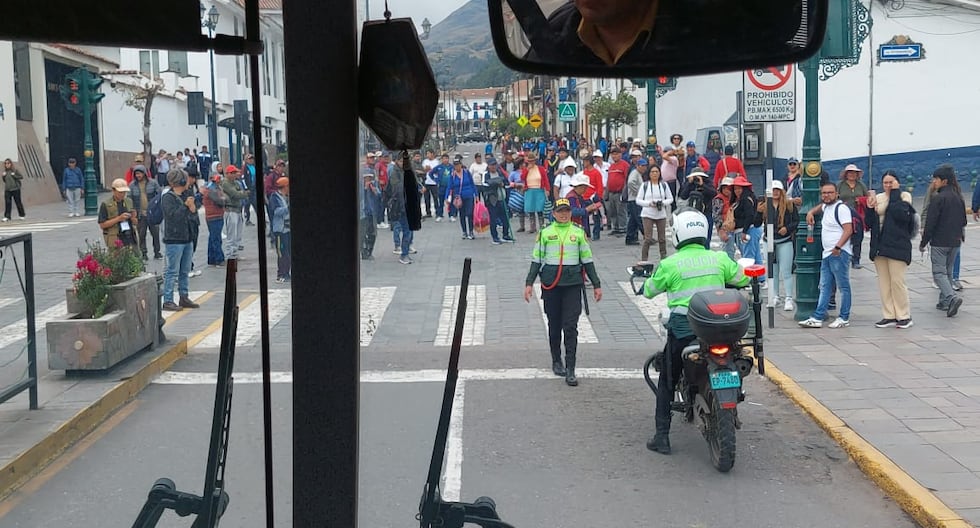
562, 257
691, 270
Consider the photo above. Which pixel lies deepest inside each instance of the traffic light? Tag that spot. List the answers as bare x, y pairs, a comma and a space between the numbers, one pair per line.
669, 83
94, 82
71, 92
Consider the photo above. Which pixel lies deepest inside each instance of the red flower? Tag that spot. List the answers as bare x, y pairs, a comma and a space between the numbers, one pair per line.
106, 272
80, 264
93, 266
119, 243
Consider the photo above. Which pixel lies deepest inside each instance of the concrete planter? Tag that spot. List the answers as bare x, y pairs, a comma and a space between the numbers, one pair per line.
130, 325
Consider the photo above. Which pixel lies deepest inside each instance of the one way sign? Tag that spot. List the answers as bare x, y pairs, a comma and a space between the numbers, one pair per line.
899, 52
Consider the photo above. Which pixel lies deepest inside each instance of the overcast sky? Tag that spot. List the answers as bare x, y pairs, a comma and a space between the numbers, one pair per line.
417, 10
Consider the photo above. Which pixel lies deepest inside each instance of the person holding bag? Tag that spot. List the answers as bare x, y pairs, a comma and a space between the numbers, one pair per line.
461, 194
784, 228
654, 199
892, 229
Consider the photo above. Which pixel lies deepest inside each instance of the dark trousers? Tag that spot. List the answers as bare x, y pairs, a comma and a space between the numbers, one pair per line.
439, 201
466, 216
284, 252
596, 224
498, 216
369, 233
15, 196
856, 240
215, 254
673, 192
432, 198
154, 230
668, 378
563, 305
633, 223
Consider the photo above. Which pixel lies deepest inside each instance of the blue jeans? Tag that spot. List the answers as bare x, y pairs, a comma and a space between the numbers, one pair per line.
439, 202
753, 249
402, 235
178, 266
215, 255
956, 267
835, 270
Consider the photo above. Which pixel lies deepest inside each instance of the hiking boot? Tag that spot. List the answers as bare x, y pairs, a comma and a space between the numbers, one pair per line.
660, 443
186, 302
170, 306
570, 378
558, 368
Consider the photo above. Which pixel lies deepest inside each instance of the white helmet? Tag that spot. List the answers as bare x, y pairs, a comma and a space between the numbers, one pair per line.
690, 226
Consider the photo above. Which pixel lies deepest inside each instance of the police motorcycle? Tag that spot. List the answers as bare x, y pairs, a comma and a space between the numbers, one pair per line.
710, 387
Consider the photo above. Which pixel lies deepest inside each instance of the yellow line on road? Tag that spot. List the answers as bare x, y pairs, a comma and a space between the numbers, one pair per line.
216, 324
914, 498
35, 484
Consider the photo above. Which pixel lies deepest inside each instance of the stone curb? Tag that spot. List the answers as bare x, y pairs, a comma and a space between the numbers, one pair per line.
30, 462
920, 503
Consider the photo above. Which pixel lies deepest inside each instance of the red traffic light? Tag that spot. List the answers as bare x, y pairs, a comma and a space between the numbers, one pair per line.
73, 86
663, 79
73, 99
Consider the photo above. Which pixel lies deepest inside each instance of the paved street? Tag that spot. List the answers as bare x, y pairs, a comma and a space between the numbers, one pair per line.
549, 454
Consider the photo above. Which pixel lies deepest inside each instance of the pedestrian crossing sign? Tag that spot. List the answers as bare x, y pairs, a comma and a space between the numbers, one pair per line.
522, 121
567, 111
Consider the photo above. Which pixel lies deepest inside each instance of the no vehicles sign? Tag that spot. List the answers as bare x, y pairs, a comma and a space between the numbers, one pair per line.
769, 94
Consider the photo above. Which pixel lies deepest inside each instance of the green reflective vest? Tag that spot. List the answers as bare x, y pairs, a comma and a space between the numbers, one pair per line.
562, 247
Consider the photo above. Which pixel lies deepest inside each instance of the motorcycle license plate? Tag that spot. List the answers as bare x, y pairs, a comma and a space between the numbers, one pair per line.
725, 379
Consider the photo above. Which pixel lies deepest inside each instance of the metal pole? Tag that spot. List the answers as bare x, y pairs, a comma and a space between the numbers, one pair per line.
651, 117
215, 153
91, 187
808, 253
31, 323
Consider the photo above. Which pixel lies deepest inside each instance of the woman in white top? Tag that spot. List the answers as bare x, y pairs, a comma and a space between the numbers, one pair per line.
655, 198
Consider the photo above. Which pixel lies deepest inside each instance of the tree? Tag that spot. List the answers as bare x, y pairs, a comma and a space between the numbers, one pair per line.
140, 91
613, 113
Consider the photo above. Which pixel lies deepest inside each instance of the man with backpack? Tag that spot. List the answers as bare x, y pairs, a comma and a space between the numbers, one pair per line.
178, 232
836, 230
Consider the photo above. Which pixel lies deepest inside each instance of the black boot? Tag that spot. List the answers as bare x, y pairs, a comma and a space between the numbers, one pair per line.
570, 378
660, 442
556, 365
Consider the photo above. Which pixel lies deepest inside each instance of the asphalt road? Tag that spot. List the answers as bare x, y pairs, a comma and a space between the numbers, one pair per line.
548, 454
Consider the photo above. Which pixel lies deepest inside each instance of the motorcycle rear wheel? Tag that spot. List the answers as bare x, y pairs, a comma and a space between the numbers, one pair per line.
720, 435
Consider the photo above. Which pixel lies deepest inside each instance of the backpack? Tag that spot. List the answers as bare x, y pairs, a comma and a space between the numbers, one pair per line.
857, 219
216, 194
154, 211
695, 200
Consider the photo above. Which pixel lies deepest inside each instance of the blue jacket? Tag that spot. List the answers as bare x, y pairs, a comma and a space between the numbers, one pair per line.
466, 188
442, 173
72, 178
976, 199
280, 212
371, 203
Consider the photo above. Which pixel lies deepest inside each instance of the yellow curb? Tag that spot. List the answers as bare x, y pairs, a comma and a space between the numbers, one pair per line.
915, 499
24, 466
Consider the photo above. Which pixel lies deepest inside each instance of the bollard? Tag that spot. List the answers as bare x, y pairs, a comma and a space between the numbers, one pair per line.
161, 338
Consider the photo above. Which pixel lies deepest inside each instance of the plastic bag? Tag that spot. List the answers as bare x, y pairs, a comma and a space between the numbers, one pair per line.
481, 217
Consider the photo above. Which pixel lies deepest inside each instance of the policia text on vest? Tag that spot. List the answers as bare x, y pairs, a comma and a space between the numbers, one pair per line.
562, 258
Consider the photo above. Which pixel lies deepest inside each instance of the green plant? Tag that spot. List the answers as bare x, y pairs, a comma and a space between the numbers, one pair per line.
98, 269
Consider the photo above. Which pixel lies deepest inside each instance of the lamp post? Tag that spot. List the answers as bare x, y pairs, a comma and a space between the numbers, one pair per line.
209, 19
426, 26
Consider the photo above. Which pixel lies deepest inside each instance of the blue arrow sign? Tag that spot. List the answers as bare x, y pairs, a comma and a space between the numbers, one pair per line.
900, 52
562, 94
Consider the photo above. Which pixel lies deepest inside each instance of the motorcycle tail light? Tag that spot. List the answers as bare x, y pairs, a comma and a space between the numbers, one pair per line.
719, 350
729, 405
729, 308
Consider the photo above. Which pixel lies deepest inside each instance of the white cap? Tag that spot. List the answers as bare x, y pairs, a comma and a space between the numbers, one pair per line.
635, 152
567, 162
597, 153
581, 179
776, 184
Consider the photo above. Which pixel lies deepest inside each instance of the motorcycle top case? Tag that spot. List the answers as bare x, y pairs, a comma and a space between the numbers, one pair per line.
719, 317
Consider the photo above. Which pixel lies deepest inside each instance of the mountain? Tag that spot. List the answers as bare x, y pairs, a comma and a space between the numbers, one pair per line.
461, 51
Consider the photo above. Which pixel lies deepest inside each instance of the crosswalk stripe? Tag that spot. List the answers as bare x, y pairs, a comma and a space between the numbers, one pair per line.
476, 316
586, 334
250, 321
7, 302
650, 308
374, 304
40, 227
15, 332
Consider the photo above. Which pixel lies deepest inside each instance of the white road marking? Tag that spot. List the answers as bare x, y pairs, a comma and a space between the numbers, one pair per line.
650, 308
586, 334
15, 332
452, 477
374, 304
250, 322
476, 316
7, 302
17, 226
407, 376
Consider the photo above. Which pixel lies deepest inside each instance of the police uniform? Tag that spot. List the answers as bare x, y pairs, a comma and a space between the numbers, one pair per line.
562, 257
693, 269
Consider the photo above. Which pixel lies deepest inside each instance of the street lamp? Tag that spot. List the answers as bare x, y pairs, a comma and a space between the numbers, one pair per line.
426, 26
209, 19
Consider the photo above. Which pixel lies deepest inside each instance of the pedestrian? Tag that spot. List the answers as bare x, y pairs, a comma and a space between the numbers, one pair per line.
204, 163
748, 222
137, 160
496, 199
853, 192
234, 196
930, 192
395, 203
142, 191
794, 182
945, 231
194, 192
615, 186
430, 190
784, 230
248, 177
279, 203
178, 214
836, 229
582, 207
893, 225
162, 167
654, 200
461, 195
440, 174
637, 176
597, 190
369, 212
118, 217
11, 189
535, 179
72, 187
692, 269
562, 258
728, 166
214, 215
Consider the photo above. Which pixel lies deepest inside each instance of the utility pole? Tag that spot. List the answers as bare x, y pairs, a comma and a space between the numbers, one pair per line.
80, 92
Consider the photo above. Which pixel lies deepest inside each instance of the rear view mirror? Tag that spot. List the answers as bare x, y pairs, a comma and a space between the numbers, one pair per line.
650, 38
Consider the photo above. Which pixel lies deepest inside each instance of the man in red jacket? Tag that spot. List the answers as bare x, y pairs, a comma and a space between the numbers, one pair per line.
596, 189
618, 171
729, 166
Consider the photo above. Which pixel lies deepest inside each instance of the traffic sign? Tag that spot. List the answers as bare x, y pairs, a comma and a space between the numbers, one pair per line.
562, 93
897, 52
769, 94
522, 121
567, 111
535, 121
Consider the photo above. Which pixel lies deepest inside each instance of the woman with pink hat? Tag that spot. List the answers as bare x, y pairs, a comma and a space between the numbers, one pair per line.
748, 222
854, 193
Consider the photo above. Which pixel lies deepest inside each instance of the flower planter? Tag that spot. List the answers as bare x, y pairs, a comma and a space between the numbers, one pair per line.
80, 343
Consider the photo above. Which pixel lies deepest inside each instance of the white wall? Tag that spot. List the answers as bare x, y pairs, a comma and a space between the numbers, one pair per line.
122, 128
8, 125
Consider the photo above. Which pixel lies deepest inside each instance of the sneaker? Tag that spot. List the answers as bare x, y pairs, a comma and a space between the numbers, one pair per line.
839, 323
452, 218
511, 240
22, 218
186, 302
957, 285
934, 285
195, 273
405, 260
438, 219
170, 306
810, 322
281, 279
856, 266
6, 219
383, 225
158, 257
885, 323
412, 250
773, 301
470, 236
764, 286
904, 323
954, 306
942, 307
397, 251
788, 307
496, 242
